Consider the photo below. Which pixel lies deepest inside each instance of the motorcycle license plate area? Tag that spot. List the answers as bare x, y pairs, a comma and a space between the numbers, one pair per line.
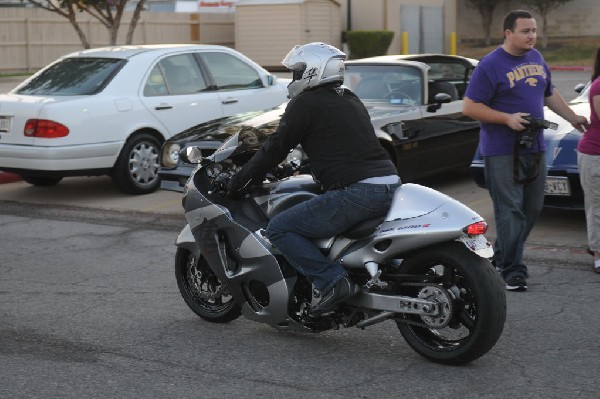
557, 185
4, 124
478, 244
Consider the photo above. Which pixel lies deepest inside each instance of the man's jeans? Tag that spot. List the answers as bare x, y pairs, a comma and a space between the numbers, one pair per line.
516, 208
322, 217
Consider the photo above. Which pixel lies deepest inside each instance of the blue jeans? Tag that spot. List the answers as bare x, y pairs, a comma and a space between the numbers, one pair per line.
516, 208
325, 216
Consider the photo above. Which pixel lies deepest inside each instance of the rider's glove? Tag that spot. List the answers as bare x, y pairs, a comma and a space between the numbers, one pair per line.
221, 183
228, 185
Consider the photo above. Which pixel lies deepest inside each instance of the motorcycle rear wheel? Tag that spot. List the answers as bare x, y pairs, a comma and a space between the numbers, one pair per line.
478, 307
202, 291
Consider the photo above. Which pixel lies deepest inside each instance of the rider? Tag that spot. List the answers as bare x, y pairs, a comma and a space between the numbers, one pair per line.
356, 174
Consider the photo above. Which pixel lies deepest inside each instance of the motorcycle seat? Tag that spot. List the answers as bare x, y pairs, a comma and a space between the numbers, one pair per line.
363, 229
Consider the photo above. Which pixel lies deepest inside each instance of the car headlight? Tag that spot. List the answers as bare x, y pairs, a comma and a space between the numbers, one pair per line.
170, 155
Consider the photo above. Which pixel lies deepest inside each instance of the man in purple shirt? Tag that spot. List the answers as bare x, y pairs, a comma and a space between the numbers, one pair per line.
510, 83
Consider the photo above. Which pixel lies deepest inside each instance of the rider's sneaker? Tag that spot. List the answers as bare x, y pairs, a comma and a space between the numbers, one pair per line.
342, 290
516, 282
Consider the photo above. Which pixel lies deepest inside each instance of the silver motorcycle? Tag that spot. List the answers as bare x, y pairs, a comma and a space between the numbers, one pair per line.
425, 265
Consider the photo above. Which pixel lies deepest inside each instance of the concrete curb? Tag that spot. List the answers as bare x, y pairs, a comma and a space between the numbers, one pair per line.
570, 68
6, 177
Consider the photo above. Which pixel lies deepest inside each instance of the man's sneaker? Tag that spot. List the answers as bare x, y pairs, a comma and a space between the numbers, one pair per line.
516, 282
342, 290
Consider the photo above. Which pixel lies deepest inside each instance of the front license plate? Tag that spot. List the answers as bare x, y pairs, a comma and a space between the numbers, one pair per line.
478, 244
4, 124
557, 185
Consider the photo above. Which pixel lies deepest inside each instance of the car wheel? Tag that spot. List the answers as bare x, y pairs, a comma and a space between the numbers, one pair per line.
136, 169
42, 181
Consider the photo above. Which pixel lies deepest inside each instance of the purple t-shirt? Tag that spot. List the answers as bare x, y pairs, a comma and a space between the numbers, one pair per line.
590, 142
509, 83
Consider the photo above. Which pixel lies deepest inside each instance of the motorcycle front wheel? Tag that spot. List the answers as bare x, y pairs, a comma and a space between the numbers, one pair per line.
475, 302
202, 291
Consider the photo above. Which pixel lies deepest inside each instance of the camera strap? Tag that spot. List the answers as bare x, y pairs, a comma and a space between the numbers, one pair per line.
516, 159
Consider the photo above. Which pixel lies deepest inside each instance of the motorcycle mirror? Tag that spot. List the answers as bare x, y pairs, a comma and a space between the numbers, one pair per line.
191, 155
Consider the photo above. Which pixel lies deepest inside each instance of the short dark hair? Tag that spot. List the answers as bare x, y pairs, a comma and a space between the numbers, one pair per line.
510, 19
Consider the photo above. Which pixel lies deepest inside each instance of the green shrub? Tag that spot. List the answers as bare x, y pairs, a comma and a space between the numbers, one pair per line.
368, 43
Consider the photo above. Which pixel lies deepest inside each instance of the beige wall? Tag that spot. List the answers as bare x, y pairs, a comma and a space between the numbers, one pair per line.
32, 38
267, 32
385, 14
576, 18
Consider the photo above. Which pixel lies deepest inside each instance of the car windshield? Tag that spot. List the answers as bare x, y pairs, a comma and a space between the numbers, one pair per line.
395, 84
73, 77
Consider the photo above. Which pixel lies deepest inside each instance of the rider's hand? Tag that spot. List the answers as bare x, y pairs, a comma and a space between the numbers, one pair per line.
228, 186
222, 183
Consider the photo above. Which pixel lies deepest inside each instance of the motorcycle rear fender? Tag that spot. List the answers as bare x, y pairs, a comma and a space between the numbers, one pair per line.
396, 237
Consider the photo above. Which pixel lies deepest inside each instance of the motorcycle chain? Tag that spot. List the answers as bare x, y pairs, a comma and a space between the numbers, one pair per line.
425, 324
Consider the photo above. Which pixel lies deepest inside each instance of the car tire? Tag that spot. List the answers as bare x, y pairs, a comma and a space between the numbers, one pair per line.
41, 181
136, 169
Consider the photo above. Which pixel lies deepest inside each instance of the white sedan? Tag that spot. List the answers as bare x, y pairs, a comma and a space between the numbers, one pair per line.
108, 110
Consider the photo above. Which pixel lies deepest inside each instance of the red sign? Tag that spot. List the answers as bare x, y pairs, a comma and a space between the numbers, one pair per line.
220, 3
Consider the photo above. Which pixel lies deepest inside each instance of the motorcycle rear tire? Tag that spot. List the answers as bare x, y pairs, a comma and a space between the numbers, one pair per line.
193, 276
482, 293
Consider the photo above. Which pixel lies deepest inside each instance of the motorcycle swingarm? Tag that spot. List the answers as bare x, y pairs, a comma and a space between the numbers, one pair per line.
395, 304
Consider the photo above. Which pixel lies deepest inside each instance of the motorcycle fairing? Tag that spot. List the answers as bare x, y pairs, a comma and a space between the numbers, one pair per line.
241, 261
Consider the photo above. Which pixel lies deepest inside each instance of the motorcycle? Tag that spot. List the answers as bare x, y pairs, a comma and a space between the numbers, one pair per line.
425, 265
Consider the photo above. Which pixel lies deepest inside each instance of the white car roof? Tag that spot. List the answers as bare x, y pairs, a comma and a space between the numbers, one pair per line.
133, 50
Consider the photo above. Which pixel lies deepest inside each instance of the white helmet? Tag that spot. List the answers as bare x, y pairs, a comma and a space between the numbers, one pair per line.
312, 65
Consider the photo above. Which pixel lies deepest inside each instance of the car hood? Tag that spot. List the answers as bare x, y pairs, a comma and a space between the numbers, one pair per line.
561, 144
266, 121
219, 130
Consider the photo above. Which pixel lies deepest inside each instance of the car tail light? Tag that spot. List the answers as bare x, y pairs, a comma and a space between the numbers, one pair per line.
45, 129
476, 228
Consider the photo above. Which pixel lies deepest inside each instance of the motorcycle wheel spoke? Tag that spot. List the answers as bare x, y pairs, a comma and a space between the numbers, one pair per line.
466, 320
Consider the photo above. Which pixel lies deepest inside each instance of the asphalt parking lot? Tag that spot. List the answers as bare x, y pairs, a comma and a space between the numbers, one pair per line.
90, 309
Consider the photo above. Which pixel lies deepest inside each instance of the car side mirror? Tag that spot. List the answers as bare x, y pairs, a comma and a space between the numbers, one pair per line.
438, 100
191, 155
579, 88
268, 80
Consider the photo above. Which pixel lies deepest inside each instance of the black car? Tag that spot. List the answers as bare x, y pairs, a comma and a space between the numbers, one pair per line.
415, 108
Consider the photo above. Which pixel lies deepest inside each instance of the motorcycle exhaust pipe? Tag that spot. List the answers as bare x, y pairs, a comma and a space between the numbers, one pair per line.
378, 318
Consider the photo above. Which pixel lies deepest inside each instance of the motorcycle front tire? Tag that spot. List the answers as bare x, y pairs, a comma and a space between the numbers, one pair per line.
202, 291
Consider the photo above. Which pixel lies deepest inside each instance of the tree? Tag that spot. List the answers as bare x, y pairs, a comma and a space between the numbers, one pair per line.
486, 10
108, 12
543, 7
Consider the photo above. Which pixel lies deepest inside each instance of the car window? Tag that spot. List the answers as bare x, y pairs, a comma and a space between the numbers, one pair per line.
231, 73
175, 75
388, 83
447, 71
73, 77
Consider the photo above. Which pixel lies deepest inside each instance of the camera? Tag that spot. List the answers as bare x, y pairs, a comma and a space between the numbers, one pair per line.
533, 129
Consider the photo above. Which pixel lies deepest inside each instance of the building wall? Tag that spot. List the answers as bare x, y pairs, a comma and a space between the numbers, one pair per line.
575, 18
31, 38
267, 32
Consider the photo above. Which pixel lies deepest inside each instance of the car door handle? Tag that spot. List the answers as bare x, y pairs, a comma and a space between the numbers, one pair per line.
163, 106
229, 101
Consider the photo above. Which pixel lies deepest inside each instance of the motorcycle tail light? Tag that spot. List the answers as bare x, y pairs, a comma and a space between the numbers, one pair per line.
44, 128
476, 228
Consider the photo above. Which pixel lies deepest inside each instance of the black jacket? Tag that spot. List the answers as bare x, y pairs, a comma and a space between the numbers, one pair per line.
335, 131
